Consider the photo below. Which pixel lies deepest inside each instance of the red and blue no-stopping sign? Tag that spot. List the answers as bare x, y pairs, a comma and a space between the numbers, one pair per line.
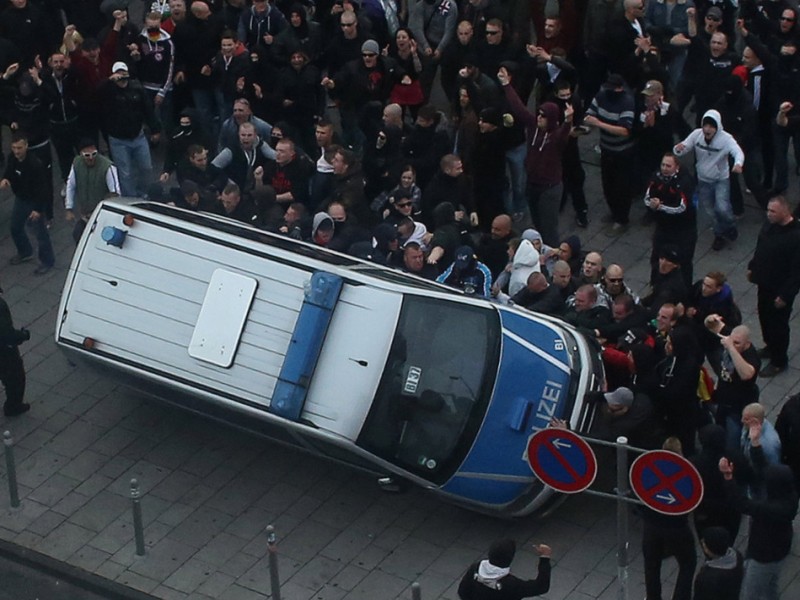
666, 482
562, 460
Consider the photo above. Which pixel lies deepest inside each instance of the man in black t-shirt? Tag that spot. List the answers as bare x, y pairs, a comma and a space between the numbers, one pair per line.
737, 386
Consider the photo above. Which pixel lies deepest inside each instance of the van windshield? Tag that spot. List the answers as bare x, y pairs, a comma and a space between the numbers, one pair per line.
436, 386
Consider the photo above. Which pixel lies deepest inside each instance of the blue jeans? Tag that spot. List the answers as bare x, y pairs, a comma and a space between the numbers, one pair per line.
715, 199
675, 67
134, 164
761, 580
211, 106
515, 200
781, 136
544, 202
19, 218
163, 112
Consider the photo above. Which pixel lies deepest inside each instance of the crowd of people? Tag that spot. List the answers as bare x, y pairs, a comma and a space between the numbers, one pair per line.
314, 120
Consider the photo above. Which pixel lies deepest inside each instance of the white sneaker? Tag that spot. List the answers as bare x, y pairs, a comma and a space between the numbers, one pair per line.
63, 191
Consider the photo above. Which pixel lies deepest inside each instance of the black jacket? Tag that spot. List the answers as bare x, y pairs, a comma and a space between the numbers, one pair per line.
356, 85
771, 525
509, 587
9, 337
62, 104
196, 44
28, 180
776, 263
669, 287
126, 110
548, 301
720, 578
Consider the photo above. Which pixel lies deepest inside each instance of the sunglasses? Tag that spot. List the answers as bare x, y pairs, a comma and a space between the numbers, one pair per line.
368, 54
403, 204
789, 19
91, 154
492, 32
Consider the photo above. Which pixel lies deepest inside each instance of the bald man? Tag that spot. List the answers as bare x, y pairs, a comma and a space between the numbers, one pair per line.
539, 296
612, 285
736, 387
760, 445
592, 268
493, 248
393, 116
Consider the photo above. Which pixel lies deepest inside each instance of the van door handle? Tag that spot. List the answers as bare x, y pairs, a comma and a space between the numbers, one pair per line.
520, 413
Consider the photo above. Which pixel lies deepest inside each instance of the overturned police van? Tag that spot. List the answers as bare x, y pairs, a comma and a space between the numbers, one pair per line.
346, 359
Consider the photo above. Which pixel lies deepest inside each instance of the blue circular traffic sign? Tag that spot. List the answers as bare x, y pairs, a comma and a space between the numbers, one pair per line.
562, 460
666, 482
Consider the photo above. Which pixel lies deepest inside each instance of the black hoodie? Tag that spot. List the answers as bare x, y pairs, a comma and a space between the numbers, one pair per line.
771, 525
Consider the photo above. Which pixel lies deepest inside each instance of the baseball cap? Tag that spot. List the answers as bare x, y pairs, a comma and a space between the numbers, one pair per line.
619, 397
714, 13
119, 66
464, 256
614, 80
671, 254
652, 88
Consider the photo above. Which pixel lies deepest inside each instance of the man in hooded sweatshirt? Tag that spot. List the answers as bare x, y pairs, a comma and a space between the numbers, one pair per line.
491, 578
712, 146
770, 536
547, 141
720, 577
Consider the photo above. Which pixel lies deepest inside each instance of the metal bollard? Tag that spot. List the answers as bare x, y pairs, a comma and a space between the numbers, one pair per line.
416, 593
138, 529
11, 469
272, 553
622, 518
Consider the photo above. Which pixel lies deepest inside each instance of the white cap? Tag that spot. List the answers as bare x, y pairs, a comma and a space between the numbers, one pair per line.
119, 66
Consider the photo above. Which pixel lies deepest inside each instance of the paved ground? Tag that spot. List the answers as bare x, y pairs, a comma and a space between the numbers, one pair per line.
209, 491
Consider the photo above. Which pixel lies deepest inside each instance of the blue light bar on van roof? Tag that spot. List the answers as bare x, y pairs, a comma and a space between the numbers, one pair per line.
321, 295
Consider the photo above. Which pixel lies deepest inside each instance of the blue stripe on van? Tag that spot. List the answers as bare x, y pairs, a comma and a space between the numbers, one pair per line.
529, 391
309, 332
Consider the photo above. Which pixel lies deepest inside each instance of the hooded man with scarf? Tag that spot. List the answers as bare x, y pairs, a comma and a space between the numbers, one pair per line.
301, 34
547, 140
770, 536
491, 578
712, 146
720, 577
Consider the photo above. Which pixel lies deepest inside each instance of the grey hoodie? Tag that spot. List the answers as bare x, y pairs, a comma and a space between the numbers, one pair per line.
711, 158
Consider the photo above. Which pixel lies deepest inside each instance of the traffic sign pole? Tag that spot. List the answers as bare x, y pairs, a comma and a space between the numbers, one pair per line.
622, 517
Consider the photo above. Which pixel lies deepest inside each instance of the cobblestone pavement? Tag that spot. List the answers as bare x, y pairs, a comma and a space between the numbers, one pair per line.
209, 490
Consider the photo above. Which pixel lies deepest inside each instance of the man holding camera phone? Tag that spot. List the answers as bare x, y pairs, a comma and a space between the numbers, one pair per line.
12, 370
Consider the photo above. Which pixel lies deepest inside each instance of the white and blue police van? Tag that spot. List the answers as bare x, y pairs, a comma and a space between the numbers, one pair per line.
337, 356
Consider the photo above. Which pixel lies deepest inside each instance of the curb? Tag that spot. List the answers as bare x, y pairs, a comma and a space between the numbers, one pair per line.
75, 575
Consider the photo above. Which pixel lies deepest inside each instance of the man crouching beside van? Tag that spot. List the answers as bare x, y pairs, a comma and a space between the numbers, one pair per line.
92, 178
